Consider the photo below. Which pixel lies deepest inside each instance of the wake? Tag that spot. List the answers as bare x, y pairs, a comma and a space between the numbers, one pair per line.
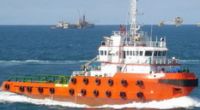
14, 98
182, 102
54, 62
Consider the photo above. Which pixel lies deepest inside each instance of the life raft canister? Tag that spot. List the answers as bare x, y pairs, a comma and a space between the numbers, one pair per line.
96, 93
123, 95
52, 90
110, 82
71, 92
139, 83
40, 90
29, 89
7, 86
21, 88
85, 81
83, 92
98, 81
124, 83
73, 80
108, 93
140, 95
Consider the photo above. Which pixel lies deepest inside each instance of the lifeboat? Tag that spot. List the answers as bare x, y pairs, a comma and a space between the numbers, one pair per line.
132, 67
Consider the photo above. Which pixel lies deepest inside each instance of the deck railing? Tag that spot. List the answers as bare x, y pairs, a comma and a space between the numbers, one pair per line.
61, 79
146, 43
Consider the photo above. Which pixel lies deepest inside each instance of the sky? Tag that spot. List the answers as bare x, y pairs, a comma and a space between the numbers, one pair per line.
48, 12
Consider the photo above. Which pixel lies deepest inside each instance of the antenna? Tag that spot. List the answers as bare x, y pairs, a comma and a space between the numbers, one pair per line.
133, 19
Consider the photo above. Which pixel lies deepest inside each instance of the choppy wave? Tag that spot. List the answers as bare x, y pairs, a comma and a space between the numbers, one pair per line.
182, 102
16, 62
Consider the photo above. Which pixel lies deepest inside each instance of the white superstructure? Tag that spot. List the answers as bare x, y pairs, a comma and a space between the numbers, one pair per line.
132, 52
62, 24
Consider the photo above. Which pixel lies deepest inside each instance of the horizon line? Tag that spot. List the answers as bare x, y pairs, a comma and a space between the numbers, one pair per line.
95, 24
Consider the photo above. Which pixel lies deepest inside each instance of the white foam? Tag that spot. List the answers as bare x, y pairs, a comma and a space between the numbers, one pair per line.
182, 102
17, 62
13, 98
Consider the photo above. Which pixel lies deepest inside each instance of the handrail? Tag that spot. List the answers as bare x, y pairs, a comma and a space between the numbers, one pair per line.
61, 79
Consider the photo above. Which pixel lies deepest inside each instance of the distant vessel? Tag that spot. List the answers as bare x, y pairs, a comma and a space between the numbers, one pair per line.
132, 67
177, 21
62, 25
82, 23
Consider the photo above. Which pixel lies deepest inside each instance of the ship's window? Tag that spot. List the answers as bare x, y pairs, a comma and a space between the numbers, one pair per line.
141, 53
155, 53
124, 54
119, 68
164, 53
131, 53
127, 53
103, 43
136, 53
148, 53
105, 52
159, 53
101, 52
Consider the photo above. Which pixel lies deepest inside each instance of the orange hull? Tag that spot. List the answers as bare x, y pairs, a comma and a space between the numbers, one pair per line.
120, 89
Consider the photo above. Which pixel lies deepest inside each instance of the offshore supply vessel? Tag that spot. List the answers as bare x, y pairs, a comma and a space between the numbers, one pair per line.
132, 67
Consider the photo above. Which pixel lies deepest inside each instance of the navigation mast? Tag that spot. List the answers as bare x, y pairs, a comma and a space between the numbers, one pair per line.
133, 18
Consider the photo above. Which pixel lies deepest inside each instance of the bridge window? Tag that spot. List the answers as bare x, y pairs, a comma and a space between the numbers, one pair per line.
136, 53
159, 53
155, 53
164, 53
103, 43
105, 52
148, 53
141, 53
127, 53
101, 52
124, 54
131, 53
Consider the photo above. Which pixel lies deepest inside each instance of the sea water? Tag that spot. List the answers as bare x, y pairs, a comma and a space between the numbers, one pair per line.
34, 50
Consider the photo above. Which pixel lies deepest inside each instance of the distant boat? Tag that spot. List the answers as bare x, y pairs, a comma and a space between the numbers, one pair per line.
61, 25
82, 23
